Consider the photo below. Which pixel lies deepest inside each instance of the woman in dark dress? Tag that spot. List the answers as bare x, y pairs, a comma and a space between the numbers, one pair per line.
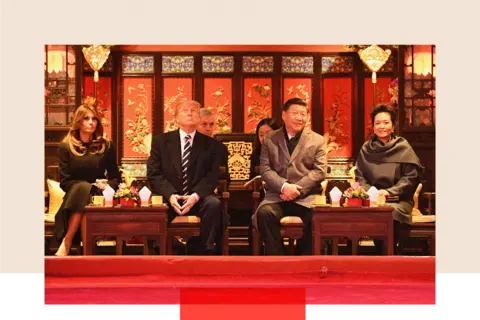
263, 128
87, 166
389, 163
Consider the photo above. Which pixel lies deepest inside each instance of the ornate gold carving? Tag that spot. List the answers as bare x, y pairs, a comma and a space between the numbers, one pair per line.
169, 109
259, 106
374, 58
96, 55
222, 113
239, 159
138, 133
302, 91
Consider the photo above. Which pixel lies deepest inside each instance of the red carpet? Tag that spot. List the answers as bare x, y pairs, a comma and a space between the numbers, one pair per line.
239, 280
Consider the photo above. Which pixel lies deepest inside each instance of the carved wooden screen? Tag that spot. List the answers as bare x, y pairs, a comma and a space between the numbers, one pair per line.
240, 147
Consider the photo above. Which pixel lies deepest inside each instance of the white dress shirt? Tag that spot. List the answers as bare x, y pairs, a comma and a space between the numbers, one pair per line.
183, 134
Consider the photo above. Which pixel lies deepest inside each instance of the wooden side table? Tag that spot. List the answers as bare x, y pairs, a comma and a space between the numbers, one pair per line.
352, 222
124, 223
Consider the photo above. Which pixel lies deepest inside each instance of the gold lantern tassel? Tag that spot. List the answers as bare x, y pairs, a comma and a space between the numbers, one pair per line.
374, 58
96, 56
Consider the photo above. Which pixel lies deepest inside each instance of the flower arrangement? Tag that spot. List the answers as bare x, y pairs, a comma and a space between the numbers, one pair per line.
127, 189
356, 191
127, 192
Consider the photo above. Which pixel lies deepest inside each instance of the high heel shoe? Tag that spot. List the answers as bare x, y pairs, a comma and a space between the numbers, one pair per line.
63, 250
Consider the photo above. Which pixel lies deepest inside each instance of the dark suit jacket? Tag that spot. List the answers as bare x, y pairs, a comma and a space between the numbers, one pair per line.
164, 167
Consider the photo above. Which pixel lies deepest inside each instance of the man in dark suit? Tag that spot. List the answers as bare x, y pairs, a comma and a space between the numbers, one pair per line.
183, 167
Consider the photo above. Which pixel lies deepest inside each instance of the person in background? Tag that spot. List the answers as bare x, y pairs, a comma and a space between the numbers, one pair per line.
264, 127
207, 127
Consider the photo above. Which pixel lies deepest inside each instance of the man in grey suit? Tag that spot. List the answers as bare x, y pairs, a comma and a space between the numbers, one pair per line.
293, 162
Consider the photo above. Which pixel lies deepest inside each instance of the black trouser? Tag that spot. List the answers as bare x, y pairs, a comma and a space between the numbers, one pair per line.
209, 209
268, 218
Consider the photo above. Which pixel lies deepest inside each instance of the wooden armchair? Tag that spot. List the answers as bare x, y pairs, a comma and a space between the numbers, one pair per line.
291, 226
187, 227
423, 226
49, 227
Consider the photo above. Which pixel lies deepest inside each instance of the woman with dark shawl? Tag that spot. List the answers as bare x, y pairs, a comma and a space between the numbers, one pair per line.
389, 163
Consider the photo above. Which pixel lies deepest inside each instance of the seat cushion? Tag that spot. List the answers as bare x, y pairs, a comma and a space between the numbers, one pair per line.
185, 220
47, 217
423, 219
416, 212
291, 221
56, 195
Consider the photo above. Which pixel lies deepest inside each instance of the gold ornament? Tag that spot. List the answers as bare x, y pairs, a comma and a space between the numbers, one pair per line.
374, 58
96, 56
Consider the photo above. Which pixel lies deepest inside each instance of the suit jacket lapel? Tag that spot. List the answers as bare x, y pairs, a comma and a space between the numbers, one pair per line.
280, 141
198, 146
174, 146
301, 144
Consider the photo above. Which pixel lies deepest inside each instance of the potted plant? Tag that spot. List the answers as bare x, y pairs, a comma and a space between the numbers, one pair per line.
356, 194
128, 196
127, 193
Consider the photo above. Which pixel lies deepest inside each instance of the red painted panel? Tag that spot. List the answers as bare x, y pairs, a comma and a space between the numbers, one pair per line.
299, 88
218, 98
338, 114
257, 102
137, 117
104, 100
174, 91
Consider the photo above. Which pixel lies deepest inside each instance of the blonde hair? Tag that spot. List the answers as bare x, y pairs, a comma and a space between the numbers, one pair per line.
186, 103
98, 142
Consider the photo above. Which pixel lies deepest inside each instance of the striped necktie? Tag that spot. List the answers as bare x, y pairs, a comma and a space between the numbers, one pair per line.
185, 158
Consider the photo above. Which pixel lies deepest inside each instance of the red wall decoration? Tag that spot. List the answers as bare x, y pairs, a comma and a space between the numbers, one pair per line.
104, 100
257, 102
137, 116
218, 98
174, 91
381, 91
338, 115
299, 88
